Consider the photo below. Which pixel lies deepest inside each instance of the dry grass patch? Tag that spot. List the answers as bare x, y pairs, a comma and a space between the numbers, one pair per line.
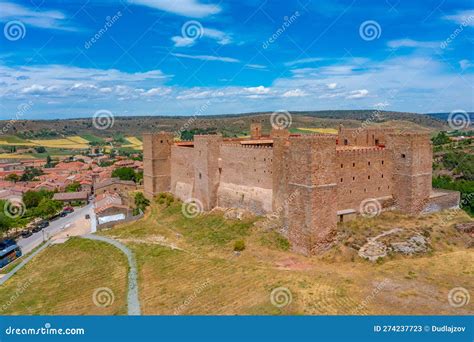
61, 280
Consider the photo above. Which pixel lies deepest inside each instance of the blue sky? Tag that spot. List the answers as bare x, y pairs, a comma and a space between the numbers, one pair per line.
63, 59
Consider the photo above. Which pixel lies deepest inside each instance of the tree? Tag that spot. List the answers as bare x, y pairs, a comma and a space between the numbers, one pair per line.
12, 177
49, 162
73, 187
48, 207
124, 173
30, 174
141, 202
40, 149
440, 139
32, 199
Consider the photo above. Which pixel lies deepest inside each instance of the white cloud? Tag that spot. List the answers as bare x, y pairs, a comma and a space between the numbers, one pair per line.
465, 18
55, 20
180, 41
410, 43
220, 37
331, 85
207, 58
187, 8
358, 94
303, 61
255, 66
295, 93
260, 90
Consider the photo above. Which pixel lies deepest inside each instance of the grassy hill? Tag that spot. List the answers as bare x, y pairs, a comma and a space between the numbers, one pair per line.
235, 124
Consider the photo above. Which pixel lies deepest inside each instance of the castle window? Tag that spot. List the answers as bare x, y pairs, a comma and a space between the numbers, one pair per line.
200, 176
161, 141
382, 162
353, 164
376, 141
350, 191
342, 165
346, 142
379, 188
264, 159
368, 163
382, 175
365, 190
341, 180
403, 155
368, 177
353, 178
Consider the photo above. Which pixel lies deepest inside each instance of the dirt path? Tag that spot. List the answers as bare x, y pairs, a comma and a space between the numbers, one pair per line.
133, 301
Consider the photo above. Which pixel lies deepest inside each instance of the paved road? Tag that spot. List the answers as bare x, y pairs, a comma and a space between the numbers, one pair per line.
28, 244
133, 301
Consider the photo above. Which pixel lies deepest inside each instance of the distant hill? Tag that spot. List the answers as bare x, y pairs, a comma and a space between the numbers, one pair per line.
229, 124
444, 116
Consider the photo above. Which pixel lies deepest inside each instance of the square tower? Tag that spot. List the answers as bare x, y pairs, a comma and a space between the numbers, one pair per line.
312, 210
157, 163
412, 155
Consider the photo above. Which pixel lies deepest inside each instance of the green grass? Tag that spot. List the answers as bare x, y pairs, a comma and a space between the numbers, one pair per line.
92, 138
61, 280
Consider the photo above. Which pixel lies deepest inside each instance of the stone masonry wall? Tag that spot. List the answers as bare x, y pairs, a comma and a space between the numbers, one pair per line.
362, 174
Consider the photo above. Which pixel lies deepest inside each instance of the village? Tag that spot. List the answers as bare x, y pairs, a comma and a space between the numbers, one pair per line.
37, 192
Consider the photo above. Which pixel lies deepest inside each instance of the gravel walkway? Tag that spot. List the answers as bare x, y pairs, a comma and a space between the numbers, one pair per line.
133, 302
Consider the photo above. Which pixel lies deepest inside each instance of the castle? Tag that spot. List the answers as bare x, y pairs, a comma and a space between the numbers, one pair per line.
311, 180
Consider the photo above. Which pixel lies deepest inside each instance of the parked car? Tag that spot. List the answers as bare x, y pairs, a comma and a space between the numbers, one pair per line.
63, 214
88, 216
68, 210
37, 228
26, 233
43, 224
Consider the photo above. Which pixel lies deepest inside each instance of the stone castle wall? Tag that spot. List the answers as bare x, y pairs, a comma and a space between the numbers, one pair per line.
362, 174
311, 181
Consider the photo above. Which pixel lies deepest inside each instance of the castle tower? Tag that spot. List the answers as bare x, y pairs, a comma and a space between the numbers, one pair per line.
255, 130
156, 163
312, 192
207, 172
279, 169
412, 155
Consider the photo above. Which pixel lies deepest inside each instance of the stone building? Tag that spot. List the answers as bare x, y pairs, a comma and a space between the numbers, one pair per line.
312, 181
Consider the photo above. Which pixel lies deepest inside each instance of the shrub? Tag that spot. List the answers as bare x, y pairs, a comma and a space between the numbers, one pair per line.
239, 245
